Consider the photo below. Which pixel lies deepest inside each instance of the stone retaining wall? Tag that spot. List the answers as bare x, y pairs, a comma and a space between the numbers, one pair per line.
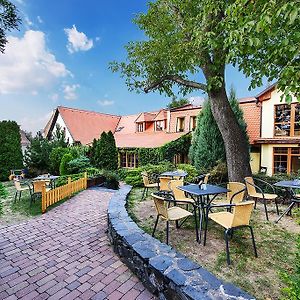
164, 271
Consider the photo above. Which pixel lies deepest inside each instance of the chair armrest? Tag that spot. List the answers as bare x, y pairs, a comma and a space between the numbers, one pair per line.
266, 183
223, 205
235, 194
256, 187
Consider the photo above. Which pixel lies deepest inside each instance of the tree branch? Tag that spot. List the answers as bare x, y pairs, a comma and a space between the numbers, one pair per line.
177, 79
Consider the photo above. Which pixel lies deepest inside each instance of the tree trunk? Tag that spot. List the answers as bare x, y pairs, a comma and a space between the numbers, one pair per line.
237, 153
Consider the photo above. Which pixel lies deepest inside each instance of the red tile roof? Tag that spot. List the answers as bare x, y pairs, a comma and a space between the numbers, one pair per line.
84, 125
145, 139
145, 117
252, 116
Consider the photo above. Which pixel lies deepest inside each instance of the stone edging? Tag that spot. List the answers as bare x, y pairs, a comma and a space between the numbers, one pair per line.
164, 271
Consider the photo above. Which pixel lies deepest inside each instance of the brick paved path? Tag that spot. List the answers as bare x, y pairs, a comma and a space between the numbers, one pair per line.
65, 254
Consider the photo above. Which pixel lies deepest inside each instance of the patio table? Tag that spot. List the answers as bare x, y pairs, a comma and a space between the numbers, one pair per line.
52, 178
174, 174
289, 186
202, 199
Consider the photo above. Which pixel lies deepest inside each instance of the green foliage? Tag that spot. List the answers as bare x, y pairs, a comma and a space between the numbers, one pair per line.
218, 174
177, 102
184, 37
37, 155
3, 194
9, 20
62, 180
179, 146
191, 170
64, 168
55, 159
134, 178
111, 179
149, 156
207, 143
292, 291
78, 165
10, 148
104, 153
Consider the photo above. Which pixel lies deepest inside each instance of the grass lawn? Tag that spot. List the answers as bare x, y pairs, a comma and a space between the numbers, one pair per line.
261, 277
16, 212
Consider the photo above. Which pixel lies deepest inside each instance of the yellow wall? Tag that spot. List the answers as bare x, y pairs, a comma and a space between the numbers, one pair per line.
267, 114
255, 162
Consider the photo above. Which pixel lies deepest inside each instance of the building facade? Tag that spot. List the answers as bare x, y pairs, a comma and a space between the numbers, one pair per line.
280, 133
145, 129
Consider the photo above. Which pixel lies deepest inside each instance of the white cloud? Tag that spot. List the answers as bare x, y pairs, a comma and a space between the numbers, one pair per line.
77, 41
70, 91
106, 102
54, 97
28, 22
196, 100
28, 65
40, 20
97, 38
34, 124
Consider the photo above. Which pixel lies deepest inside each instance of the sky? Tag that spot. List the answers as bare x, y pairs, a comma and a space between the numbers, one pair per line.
61, 54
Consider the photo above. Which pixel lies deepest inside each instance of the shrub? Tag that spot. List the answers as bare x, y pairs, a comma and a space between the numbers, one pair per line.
55, 158
122, 172
104, 153
3, 194
63, 168
292, 291
191, 170
111, 179
158, 169
134, 178
10, 148
62, 180
78, 165
218, 174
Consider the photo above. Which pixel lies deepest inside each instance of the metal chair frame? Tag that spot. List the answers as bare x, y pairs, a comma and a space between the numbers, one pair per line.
229, 232
170, 199
263, 195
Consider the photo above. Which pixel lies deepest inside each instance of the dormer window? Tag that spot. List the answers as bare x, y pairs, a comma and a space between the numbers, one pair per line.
180, 124
159, 125
140, 127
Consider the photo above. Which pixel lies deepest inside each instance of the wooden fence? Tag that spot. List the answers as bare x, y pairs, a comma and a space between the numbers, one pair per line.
62, 192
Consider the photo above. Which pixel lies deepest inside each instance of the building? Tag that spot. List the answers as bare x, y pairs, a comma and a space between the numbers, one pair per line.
280, 133
24, 141
146, 129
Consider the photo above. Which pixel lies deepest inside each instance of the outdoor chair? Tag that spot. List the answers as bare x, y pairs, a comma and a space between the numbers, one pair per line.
201, 178
235, 194
38, 188
168, 214
239, 218
255, 192
164, 184
147, 184
21, 188
178, 194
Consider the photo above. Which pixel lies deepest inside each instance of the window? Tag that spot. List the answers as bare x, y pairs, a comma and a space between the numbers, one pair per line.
123, 162
159, 125
140, 127
128, 160
193, 123
286, 160
287, 120
180, 124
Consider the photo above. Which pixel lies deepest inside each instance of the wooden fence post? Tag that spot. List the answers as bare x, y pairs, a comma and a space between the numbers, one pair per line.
85, 180
44, 207
69, 187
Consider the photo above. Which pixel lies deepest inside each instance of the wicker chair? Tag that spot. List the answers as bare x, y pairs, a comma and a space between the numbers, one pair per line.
168, 214
38, 188
240, 217
255, 192
147, 184
164, 184
235, 194
178, 194
21, 188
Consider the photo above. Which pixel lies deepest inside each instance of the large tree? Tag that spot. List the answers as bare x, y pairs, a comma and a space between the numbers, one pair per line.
9, 20
207, 148
187, 40
10, 148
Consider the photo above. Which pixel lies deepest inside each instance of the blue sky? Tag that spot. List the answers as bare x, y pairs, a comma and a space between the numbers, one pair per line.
60, 56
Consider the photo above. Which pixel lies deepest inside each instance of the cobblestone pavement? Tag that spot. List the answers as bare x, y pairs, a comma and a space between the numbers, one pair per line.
65, 254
